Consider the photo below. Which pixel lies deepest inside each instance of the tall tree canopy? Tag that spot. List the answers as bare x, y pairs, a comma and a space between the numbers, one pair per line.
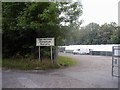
93, 33
23, 22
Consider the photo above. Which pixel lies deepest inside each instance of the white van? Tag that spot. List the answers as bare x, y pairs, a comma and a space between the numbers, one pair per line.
81, 51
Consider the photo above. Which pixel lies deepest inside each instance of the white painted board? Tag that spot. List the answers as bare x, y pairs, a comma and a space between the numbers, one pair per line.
44, 41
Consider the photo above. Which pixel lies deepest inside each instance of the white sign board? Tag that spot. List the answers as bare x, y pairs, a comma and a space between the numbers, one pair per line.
44, 41
116, 51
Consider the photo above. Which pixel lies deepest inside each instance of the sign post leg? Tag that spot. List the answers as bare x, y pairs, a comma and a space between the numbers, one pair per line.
51, 53
39, 53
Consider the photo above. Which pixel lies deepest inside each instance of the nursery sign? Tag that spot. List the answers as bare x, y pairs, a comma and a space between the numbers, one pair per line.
44, 41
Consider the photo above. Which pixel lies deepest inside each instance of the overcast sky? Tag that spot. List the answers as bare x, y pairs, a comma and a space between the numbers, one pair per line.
99, 11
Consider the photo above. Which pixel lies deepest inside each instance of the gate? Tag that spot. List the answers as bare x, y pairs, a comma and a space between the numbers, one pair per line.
115, 60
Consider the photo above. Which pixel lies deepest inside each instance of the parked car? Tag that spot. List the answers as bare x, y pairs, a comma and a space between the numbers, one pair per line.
81, 51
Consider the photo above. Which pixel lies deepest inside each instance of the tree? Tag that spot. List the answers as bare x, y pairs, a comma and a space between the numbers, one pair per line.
29, 21
115, 37
95, 34
9, 27
105, 33
88, 34
70, 12
92, 29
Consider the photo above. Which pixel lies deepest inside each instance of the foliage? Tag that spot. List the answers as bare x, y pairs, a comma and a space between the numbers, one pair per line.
65, 61
70, 22
0, 62
93, 33
32, 64
23, 22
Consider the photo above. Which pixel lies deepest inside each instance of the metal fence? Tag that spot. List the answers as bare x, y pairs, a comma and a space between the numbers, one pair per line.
101, 53
116, 61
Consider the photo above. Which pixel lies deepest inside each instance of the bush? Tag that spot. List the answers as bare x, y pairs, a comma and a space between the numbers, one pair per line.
31, 64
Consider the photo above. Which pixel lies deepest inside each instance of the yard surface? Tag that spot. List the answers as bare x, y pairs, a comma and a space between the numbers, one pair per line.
89, 72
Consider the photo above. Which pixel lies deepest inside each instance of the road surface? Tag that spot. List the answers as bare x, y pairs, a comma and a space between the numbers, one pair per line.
90, 72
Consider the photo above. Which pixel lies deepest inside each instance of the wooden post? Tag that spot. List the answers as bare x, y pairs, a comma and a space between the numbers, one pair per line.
56, 54
39, 53
51, 54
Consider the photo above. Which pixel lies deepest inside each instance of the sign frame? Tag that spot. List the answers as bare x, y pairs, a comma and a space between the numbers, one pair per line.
45, 42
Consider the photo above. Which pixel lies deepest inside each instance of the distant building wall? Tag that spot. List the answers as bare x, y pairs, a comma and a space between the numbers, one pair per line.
103, 50
101, 53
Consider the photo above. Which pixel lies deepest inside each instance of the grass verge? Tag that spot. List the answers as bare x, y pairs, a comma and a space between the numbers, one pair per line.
0, 62
28, 64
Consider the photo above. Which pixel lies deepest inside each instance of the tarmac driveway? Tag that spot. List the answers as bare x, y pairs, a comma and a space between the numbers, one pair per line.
90, 72
95, 71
